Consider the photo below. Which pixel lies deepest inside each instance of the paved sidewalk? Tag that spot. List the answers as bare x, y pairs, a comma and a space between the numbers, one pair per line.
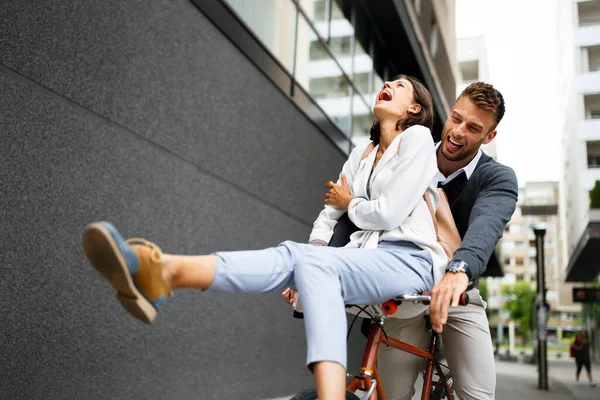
516, 380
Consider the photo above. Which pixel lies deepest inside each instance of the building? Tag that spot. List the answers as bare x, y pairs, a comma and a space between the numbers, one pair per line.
581, 166
537, 208
580, 42
201, 125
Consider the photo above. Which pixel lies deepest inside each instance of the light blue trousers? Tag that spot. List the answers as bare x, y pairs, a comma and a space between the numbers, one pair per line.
327, 278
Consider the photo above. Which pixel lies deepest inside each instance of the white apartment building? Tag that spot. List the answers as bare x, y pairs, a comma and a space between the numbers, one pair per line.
537, 208
580, 44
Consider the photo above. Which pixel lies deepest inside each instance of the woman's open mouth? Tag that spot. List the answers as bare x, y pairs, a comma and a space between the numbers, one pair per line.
384, 95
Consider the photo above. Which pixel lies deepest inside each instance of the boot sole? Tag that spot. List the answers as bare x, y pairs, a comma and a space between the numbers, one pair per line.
104, 254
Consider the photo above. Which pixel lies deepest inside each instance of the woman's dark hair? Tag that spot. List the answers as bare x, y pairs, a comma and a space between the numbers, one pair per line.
424, 117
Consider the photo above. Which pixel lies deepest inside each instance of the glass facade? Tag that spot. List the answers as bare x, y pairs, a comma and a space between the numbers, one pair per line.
329, 51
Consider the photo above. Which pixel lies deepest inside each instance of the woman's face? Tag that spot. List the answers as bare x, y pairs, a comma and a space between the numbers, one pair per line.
395, 100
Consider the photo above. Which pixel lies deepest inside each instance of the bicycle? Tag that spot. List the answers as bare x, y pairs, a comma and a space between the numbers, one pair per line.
368, 380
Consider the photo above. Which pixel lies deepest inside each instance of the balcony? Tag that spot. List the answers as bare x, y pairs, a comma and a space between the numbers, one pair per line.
588, 82
589, 129
589, 177
519, 271
587, 36
514, 236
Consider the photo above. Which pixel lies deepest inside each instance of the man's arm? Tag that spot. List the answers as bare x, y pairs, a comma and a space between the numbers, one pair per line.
493, 208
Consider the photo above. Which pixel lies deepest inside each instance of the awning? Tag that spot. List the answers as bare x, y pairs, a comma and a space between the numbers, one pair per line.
584, 265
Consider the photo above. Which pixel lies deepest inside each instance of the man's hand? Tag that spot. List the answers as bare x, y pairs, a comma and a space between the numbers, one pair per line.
339, 195
447, 292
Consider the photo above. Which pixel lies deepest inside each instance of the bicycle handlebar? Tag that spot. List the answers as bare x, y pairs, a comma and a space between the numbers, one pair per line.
391, 306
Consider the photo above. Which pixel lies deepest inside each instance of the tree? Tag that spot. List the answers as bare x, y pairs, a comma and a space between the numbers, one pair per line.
518, 302
482, 282
595, 196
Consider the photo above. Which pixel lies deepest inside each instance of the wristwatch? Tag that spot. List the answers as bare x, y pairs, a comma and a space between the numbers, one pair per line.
456, 266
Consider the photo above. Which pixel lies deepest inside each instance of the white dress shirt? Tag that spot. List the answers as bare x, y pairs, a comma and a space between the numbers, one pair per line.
469, 168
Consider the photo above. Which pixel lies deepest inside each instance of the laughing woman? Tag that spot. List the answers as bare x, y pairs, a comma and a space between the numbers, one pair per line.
395, 251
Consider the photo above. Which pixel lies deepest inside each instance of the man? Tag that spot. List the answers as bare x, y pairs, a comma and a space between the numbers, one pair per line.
482, 194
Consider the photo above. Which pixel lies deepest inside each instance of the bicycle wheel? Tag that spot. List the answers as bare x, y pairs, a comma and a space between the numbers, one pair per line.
440, 393
311, 394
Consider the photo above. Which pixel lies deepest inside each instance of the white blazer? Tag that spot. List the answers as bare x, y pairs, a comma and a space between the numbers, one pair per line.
395, 210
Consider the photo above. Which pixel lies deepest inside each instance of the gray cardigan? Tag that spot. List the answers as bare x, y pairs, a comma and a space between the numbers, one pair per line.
482, 210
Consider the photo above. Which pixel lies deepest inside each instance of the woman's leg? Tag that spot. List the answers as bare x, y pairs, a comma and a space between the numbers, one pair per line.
144, 277
588, 367
188, 272
327, 279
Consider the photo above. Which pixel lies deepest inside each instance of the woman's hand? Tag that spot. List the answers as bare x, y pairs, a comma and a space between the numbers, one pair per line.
291, 296
339, 195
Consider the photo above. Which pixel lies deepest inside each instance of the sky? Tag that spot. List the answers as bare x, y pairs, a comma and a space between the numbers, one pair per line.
522, 51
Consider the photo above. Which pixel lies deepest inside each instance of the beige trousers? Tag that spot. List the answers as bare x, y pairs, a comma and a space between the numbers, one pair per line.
467, 346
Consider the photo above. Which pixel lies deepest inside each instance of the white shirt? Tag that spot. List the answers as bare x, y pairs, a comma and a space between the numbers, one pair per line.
395, 209
469, 168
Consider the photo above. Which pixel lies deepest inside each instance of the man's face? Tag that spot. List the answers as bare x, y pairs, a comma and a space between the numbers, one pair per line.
465, 130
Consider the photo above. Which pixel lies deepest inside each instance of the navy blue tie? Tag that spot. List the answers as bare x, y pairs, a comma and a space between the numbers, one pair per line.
454, 187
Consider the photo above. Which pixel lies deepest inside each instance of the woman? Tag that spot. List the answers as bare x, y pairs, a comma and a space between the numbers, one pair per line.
381, 187
581, 350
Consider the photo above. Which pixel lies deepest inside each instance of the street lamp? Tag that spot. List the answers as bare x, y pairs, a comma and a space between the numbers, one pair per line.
542, 354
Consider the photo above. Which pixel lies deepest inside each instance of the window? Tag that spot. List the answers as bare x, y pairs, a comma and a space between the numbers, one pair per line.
272, 21
320, 10
433, 39
337, 45
589, 13
340, 64
417, 5
519, 261
322, 78
592, 53
592, 106
469, 71
593, 154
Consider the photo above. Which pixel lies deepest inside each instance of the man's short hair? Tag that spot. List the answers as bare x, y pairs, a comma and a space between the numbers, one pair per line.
487, 98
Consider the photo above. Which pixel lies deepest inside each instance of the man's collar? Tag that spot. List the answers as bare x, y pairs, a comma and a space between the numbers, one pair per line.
469, 168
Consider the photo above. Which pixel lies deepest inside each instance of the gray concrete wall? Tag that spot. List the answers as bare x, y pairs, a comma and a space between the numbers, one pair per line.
142, 113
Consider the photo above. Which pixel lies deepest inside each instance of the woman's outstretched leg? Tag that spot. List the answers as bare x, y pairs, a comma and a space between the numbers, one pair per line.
144, 277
